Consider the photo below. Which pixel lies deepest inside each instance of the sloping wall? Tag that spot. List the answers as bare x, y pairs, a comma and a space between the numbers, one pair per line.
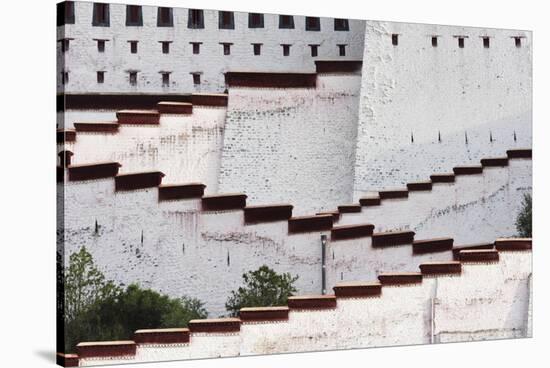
426, 109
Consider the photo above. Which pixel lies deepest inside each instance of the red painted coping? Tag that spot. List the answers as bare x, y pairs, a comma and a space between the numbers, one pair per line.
400, 278
440, 268
419, 186
338, 66
271, 80
354, 231
215, 325
513, 244
162, 336
349, 208
357, 289
181, 191
457, 249
168, 107
494, 162
264, 314
392, 238
312, 302
268, 213
106, 349
97, 127
304, 224
432, 245
468, 170
520, 153
335, 215
394, 193
209, 99
97, 170
138, 117
65, 135
67, 360
221, 202
478, 255
134, 181
442, 178
370, 201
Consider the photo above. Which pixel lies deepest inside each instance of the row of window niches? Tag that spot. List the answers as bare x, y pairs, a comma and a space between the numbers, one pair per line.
133, 78
195, 20
461, 40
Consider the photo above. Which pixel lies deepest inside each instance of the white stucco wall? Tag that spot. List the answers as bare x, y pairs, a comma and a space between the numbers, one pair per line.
487, 301
83, 60
414, 88
293, 145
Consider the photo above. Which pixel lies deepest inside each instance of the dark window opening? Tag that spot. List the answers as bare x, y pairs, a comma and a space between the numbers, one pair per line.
226, 48
313, 24
196, 47
255, 20
226, 20
342, 50
395, 39
165, 17
461, 42
314, 50
286, 50
100, 45
134, 15
100, 77
434, 41
133, 78
196, 78
286, 22
196, 19
517, 40
100, 15
165, 47
65, 13
486, 42
165, 79
341, 24
64, 44
257, 48
133, 47
64, 77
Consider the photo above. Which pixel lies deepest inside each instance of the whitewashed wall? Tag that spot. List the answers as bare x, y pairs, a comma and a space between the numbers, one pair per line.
487, 301
82, 61
424, 91
293, 145
186, 148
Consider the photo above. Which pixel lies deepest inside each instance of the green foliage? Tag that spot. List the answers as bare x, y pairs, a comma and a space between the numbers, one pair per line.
263, 288
100, 310
524, 220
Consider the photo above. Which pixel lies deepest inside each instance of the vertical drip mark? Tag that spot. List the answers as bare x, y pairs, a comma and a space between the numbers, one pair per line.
228, 259
96, 229
183, 248
141, 237
490, 136
466, 137
412, 137
341, 276
515, 138
439, 136
332, 254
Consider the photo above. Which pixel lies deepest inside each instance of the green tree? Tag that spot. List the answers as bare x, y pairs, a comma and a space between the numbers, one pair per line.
524, 220
262, 288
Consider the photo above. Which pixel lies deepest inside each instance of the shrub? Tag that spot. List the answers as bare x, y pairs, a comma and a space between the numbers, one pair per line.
524, 220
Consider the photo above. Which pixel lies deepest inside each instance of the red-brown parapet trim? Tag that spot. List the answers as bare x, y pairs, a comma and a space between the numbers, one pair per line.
335, 215
138, 117
419, 186
478, 255
271, 80
494, 162
97, 127
98, 170
312, 302
392, 238
478, 246
395, 193
106, 349
221, 202
270, 213
349, 208
400, 278
432, 245
338, 66
306, 224
181, 191
442, 178
441, 268
357, 289
370, 201
209, 99
468, 170
513, 244
169, 107
67, 360
162, 336
215, 325
354, 231
520, 153
136, 181
65, 135
264, 314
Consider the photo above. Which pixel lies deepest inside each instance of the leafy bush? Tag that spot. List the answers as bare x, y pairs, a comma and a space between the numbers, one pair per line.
263, 288
524, 220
